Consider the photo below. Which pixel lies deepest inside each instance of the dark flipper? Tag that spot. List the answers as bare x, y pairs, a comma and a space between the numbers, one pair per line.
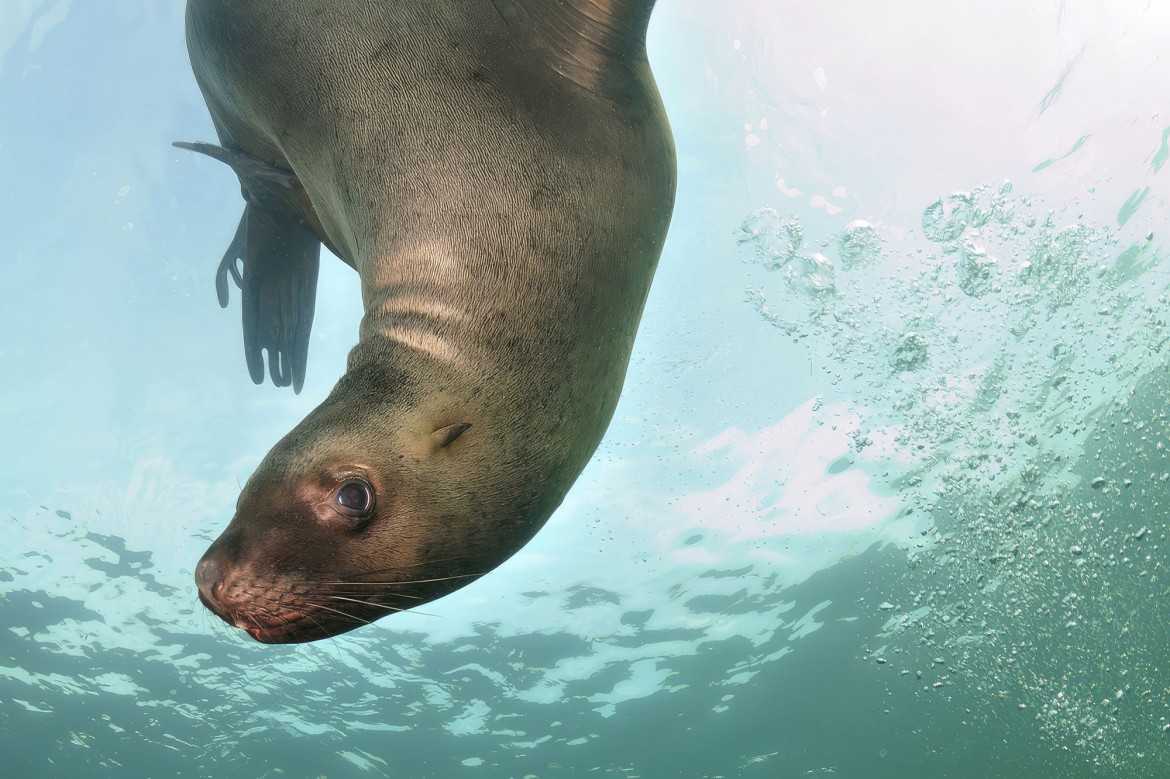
280, 253
228, 263
279, 285
245, 165
259, 177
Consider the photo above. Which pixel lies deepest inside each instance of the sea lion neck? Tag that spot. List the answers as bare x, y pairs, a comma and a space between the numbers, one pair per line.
417, 312
403, 388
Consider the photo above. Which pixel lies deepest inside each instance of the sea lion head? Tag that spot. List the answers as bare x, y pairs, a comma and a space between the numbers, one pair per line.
376, 502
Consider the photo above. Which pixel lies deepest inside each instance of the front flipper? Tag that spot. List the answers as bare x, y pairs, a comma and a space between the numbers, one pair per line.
281, 256
280, 252
262, 178
228, 263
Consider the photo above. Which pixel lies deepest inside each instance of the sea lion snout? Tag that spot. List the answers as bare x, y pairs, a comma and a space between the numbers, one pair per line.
209, 580
228, 591
221, 587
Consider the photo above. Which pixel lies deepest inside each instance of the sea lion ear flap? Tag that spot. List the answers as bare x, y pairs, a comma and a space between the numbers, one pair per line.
444, 436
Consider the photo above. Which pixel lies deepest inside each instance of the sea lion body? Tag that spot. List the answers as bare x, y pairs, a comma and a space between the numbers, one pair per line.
501, 176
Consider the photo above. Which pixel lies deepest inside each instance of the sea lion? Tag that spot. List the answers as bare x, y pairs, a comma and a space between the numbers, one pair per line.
501, 175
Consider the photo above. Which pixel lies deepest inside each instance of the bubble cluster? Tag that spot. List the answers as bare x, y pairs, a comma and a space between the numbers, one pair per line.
1018, 359
860, 244
773, 239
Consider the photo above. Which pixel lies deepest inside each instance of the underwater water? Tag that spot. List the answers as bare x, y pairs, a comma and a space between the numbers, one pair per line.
885, 495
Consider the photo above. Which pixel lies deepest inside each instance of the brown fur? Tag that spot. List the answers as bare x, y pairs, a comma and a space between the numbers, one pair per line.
504, 200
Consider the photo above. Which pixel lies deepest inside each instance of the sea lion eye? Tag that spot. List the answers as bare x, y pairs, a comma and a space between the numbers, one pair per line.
355, 498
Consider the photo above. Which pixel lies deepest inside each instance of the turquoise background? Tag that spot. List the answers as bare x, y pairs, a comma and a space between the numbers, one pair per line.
885, 495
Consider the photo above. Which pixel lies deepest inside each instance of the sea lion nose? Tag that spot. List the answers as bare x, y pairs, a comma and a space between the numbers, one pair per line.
208, 575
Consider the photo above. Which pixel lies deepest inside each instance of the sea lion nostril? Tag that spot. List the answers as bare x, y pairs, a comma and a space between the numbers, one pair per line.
208, 576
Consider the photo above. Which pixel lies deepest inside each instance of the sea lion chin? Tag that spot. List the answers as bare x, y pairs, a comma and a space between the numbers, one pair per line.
501, 175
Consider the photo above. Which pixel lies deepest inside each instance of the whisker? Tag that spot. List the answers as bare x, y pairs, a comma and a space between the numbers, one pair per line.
442, 578
370, 584
368, 594
364, 622
267, 598
382, 583
314, 620
346, 615
373, 571
433, 562
366, 603
395, 609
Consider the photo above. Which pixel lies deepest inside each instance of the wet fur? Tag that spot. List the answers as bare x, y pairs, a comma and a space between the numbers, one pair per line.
504, 194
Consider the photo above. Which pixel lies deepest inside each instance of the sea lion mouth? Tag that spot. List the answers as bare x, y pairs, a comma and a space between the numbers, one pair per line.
287, 625
272, 619
277, 622
286, 632
284, 610
287, 616
277, 625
